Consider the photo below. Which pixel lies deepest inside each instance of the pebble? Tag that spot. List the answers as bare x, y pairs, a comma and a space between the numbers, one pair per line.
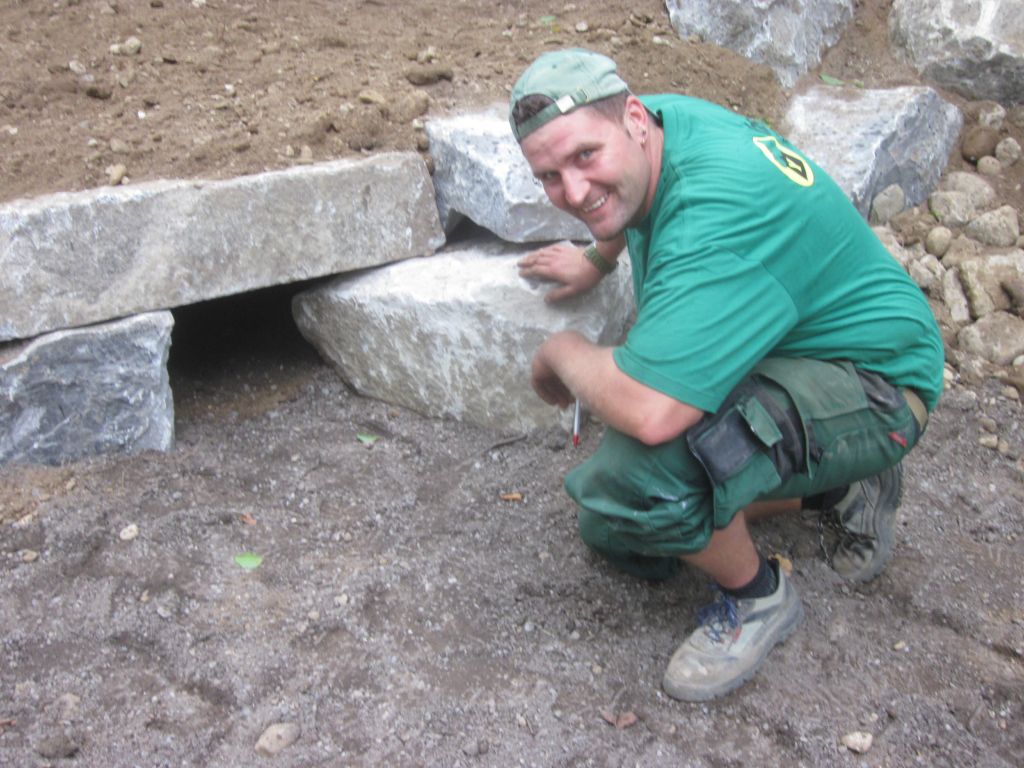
1011, 393
992, 116
69, 705
429, 75
129, 532
858, 741
119, 146
582, 27
979, 141
277, 737
370, 96
99, 91
116, 174
29, 555
1008, 151
58, 746
129, 47
989, 166
989, 425
901, 645
887, 203
938, 240
989, 441
77, 67
475, 747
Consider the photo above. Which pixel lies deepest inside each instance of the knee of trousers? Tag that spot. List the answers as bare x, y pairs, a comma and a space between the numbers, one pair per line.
642, 500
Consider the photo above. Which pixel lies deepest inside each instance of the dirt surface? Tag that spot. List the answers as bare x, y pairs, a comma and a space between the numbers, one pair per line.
423, 598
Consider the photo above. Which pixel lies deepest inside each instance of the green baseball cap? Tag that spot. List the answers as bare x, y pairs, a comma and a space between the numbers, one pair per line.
571, 78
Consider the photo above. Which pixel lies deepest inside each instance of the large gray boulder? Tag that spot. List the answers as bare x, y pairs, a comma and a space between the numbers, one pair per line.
453, 335
72, 259
973, 47
88, 391
868, 139
787, 35
480, 174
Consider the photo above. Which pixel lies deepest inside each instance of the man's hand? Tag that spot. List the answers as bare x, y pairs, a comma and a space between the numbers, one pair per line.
564, 264
567, 366
546, 383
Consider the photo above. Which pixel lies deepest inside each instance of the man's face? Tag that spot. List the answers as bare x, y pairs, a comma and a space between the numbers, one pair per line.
593, 168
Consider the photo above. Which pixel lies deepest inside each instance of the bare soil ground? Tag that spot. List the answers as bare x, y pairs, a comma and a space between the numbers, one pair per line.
424, 600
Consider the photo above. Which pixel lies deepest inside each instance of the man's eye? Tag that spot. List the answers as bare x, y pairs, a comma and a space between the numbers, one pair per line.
585, 154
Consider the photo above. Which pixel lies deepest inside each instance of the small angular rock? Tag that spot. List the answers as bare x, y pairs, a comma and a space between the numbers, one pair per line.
277, 738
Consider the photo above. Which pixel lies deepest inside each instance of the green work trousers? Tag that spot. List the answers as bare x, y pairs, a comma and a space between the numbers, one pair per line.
792, 428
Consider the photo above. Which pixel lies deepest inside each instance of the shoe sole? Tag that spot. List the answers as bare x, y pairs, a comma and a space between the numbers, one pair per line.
707, 694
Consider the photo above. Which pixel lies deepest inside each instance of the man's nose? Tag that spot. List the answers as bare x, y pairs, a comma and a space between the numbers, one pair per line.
575, 188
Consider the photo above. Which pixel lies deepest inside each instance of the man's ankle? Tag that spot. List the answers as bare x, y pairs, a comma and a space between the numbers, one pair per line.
764, 583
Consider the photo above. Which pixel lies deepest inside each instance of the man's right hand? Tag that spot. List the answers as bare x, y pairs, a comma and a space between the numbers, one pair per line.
563, 263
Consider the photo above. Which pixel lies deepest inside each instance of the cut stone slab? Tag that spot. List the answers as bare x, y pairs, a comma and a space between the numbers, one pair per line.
480, 174
89, 391
868, 139
787, 35
72, 259
453, 335
973, 47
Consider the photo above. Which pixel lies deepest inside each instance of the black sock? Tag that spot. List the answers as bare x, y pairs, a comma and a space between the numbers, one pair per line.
826, 500
762, 585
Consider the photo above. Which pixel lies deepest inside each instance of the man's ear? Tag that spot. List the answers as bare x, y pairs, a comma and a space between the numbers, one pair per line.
635, 116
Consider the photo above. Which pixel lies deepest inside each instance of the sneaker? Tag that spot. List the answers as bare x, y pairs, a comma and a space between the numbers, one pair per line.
861, 526
731, 642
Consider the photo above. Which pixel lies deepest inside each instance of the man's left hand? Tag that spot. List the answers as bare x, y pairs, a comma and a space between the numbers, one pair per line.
563, 263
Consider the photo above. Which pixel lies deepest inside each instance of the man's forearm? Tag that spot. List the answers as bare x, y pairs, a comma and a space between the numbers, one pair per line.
589, 371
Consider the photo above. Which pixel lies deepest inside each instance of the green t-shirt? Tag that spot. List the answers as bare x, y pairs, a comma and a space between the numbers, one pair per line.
751, 251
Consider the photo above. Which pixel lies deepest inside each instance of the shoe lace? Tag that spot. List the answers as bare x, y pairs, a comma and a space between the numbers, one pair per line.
830, 522
720, 618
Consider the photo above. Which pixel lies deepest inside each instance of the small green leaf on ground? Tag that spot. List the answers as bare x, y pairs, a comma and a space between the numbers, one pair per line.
366, 439
829, 80
249, 560
546, 20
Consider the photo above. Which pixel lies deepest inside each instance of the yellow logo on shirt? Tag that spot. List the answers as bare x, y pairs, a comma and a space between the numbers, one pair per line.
795, 168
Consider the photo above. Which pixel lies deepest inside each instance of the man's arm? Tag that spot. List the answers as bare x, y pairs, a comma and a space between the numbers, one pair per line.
566, 264
567, 365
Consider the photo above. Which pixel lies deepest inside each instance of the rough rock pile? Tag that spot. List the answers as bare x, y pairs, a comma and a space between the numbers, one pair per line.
964, 248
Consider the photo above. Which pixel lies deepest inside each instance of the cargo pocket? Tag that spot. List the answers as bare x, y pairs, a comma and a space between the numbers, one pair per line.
855, 425
748, 448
